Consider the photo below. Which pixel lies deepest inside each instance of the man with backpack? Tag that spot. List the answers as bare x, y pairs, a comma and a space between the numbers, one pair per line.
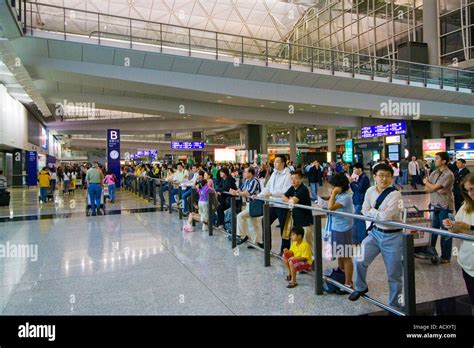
384, 203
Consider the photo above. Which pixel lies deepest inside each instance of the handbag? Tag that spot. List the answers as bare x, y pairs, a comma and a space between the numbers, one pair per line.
256, 208
288, 226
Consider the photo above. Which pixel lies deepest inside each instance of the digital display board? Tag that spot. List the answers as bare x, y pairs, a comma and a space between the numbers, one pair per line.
464, 149
349, 151
384, 130
144, 153
392, 139
44, 138
185, 145
224, 155
394, 156
393, 148
431, 147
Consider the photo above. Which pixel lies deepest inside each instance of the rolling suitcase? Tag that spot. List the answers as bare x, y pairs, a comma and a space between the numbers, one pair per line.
4, 199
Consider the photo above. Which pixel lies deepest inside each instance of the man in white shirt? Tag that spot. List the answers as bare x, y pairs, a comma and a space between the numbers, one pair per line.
179, 177
414, 171
383, 239
277, 185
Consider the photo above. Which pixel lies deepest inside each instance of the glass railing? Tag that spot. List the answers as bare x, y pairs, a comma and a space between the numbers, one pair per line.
135, 33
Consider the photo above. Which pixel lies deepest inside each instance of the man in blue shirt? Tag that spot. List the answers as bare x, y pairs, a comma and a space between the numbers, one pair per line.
359, 186
245, 224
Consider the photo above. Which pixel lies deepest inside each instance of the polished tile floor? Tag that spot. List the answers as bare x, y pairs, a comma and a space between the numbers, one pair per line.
134, 263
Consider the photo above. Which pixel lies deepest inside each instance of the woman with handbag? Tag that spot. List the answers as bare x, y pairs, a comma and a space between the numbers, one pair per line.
341, 226
464, 223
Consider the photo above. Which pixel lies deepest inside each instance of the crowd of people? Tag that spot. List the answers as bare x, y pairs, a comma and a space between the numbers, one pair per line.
449, 185
450, 188
67, 178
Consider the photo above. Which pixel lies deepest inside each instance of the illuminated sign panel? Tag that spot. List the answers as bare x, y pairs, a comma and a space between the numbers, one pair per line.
384, 130
185, 145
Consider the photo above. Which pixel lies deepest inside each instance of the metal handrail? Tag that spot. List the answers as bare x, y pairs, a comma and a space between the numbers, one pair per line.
408, 251
365, 218
363, 60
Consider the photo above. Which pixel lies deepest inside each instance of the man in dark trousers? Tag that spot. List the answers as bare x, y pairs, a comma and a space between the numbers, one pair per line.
360, 183
459, 175
314, 176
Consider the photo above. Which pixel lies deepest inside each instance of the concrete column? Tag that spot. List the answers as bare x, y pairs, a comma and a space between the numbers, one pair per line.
198, 155
242, 136
332, 143
293, 144
430, 30
451, 143
263, 139
299, 135
252, 138
435, 130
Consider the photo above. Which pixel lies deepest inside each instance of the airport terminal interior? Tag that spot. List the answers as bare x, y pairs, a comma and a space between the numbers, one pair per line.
196, 157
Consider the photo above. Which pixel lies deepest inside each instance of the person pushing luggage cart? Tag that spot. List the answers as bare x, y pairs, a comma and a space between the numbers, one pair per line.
100, 208
94, 179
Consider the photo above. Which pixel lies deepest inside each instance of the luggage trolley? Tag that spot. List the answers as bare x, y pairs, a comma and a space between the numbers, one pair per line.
49, 196
102, 203
414, 216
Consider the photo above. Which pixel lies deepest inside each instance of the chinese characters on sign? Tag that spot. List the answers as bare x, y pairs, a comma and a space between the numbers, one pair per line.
349, 151
384, 130
431, 147
180, 145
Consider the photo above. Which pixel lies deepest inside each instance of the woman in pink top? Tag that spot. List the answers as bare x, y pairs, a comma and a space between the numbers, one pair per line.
109, 180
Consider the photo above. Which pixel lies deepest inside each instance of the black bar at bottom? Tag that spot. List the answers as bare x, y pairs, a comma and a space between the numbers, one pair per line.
409, 291
267, 235
318, 254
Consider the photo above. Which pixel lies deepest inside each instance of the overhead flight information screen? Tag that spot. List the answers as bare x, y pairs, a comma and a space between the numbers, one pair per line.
384, 130
185, 145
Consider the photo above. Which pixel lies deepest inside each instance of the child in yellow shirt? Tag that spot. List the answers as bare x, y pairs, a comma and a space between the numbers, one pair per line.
299, 257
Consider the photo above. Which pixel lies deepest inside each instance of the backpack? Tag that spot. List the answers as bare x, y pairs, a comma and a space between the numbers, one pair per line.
334, 273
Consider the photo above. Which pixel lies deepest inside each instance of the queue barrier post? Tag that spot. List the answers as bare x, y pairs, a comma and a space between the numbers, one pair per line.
170, 195
409, 291
191, 206
153, 187
180, 197
233, 221
267, 235
148, 189
318, 254
210, 213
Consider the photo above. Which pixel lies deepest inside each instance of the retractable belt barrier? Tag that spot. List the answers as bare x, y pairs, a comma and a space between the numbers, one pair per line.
409, 293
